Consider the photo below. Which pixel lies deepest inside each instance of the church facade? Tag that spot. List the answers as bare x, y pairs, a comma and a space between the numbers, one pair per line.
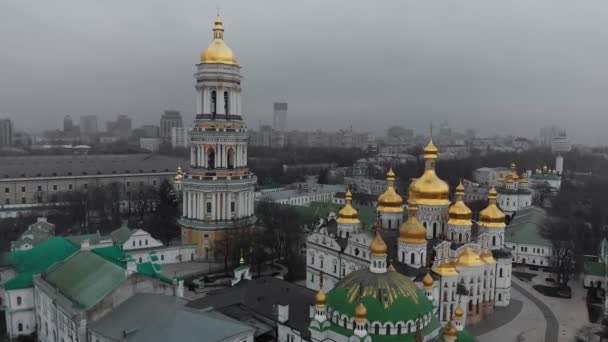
471, 273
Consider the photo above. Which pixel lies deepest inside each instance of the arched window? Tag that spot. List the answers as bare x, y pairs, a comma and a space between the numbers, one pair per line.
230, 158
412, 258
213, 102
226, 104
377, 329
493, 240
399, 329
18, 300
389, 224
500, 296
452, 236
211, 158
424, 224
347, 234
459, 237
500, 272
20, 327
344, 321
434, 230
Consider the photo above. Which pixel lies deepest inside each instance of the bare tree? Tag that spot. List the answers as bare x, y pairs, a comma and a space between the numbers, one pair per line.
561, 234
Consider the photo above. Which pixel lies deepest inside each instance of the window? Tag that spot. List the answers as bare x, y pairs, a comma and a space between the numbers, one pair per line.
133, 243
18, 300
232, 206
39, 188
140, 260
22, 189
139, 242
500, 272
154, 182
209, 207
55, 187
162, 257
128, 184
226, 103
20, 327
70, 186
146, 242
7, 190
23, 200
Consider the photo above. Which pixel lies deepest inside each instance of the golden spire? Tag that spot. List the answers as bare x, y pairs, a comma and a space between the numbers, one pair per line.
427, 281
390, 201
429, 189
218, 51
320, 297
492, 216
412, 231
459, 213
360, 313
348, 214
242, 260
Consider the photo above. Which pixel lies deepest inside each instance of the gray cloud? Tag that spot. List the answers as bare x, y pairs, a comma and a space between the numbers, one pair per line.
508, 66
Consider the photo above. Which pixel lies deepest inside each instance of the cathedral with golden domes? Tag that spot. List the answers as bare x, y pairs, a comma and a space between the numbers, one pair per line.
425, 272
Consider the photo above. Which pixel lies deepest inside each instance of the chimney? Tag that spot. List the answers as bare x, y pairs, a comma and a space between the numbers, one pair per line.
283, 313
85, 245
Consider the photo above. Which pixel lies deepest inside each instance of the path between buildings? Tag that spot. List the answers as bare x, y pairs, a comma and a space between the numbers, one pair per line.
551, 329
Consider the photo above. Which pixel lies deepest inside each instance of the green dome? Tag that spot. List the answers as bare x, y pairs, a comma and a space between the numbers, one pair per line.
388, 297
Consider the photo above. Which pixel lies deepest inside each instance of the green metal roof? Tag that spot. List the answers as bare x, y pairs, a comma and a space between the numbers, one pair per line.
121, 235
86, 278
37, 260
595, 268
407, 337
527, 227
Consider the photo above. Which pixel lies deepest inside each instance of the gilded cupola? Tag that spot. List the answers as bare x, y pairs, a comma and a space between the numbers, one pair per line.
459, 213
390, 201
450, 332
320, 299
179, 175
218, 51
429, 189
360, 312
348, 214
458, 312
427, 281
469, 258
378, 246
492, 216
412, 231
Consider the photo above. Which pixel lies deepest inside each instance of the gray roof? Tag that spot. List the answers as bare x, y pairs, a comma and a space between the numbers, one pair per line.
79, 165
257, 300
527, 227
153, 317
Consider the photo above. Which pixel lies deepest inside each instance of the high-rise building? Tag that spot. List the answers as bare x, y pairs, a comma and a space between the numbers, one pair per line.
68, 124
547, 134
218, 188
6, 132
88, 125
180, 137
279, 122
120, 128
169, 119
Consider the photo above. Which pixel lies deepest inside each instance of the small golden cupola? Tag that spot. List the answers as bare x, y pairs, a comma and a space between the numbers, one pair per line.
348, 214
450, 333
492, 216
427, 281
378, 246
390, 201
458, 312
320, 299
179, 175
412, 231
459, 213
429, 189
469, 258
218, 51
360, 313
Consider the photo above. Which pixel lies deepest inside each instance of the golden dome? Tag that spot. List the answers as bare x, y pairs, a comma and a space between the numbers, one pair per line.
179, 175
390, 201
458, 312
378, 246
348, 214
487, 257
320, 298
429, 189
427, 281
360, 312
469, 258
412, 231
459, 213
449, 331
445, 269
492, 216
430, 151
218, 51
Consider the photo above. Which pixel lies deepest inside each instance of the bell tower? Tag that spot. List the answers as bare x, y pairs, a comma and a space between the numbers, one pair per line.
218, 188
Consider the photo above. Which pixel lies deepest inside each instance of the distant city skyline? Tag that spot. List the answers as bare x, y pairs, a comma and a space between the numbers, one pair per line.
492, 67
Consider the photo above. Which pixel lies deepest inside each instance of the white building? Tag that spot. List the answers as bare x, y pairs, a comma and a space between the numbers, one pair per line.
489, 176
524, 236
366, 185
513, 192
180, 137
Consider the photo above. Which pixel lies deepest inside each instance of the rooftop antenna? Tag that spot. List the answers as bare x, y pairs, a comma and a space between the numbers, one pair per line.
431, 124
218, 10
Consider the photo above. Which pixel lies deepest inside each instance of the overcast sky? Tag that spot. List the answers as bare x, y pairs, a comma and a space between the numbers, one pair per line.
497, 66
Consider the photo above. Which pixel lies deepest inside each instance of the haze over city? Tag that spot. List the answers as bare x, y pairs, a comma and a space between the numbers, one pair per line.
498, 67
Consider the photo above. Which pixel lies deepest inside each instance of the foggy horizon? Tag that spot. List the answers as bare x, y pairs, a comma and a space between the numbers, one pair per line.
500, 68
